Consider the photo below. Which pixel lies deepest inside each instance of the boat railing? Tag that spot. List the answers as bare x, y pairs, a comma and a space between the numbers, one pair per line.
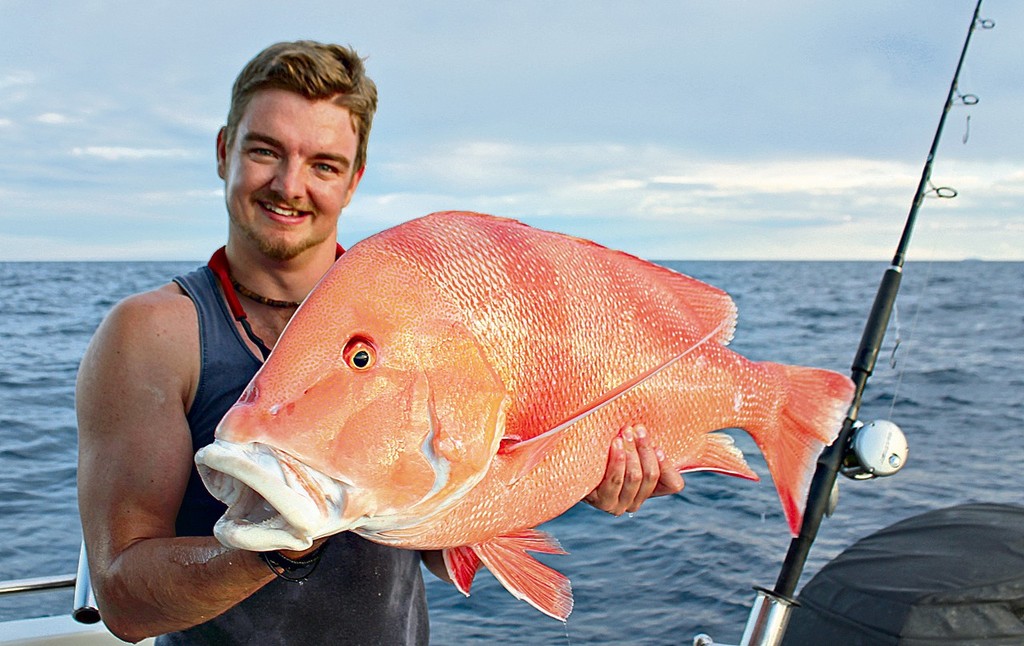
84, 607
38, 583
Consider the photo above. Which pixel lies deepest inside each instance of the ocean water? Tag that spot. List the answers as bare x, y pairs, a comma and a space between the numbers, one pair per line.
951, 374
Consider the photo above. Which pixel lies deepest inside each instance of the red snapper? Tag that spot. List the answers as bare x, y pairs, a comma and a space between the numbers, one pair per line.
456, 381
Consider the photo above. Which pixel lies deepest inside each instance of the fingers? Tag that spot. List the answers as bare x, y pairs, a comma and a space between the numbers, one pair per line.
637, 469
606, 496
298, 554
670, 481
625, 490
642, 469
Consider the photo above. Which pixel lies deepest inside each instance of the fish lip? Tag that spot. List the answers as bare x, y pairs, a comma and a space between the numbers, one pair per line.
274, 501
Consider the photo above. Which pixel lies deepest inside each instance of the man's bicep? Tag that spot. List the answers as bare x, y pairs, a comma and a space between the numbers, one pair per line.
134, 445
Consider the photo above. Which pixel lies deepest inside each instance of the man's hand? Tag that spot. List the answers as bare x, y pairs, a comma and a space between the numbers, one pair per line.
636, 471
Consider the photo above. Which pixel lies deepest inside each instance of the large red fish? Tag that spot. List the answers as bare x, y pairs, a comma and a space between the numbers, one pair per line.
457, 380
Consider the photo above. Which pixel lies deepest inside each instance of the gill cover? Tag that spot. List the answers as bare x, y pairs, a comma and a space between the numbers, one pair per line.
406, 422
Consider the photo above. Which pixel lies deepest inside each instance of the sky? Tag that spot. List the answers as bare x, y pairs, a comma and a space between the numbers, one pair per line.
672, 129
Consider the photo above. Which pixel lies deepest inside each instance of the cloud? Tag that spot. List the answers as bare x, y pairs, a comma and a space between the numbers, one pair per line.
14, 79
645, 182
54, 119
668, 203
196, 123
23, 248
185, 196
702, 130
119, 153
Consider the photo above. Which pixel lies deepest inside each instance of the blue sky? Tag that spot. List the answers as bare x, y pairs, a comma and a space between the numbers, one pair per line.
673, 129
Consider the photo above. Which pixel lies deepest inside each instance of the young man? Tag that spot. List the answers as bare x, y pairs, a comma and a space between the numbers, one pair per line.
165, 365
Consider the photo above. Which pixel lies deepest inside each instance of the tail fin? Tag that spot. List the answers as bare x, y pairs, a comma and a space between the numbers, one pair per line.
811, 417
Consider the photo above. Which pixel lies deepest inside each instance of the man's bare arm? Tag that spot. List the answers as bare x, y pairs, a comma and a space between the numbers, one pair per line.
135, 455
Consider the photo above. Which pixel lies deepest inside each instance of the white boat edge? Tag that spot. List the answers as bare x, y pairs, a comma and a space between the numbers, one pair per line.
61, 630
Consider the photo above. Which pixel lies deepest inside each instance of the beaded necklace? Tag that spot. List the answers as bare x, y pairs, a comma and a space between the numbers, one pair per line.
218, 264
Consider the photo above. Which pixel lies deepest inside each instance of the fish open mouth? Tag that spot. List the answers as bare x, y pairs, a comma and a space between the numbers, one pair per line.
274, 501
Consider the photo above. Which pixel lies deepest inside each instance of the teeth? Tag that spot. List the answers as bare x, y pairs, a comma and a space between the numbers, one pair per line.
291, 213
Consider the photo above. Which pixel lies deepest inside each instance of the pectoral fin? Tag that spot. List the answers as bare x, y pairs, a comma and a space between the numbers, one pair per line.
527, 454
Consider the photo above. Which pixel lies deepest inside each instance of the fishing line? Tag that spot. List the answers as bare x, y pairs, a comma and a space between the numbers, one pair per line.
773, 603
899, 338
913, 334
938, 192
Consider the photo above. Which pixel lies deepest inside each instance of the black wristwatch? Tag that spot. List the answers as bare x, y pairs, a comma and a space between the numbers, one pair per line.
286, 568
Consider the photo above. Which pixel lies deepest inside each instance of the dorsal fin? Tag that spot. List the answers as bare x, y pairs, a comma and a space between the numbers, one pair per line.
679, 296
710, 308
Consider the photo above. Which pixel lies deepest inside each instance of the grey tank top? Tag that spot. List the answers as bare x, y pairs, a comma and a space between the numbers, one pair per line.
361, 593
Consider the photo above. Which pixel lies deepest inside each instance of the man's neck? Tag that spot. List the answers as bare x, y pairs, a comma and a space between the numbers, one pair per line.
287, 280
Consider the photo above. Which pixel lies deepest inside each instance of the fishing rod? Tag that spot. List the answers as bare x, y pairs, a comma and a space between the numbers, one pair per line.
766, 624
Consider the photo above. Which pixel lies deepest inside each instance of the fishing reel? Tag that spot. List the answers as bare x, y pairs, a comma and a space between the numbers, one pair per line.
877, 449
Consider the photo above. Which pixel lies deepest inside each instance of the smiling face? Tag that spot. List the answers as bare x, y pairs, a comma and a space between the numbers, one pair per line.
288, 172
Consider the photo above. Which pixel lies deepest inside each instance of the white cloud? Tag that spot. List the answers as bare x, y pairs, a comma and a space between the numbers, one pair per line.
14, 79
646, 182
54, 119
676, 137
185, 196
840, 207
199, 123
119, 153
25, 248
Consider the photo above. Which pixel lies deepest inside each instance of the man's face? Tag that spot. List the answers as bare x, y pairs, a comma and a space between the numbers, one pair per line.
288, 172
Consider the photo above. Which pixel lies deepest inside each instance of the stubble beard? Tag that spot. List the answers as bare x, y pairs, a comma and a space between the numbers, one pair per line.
278, 250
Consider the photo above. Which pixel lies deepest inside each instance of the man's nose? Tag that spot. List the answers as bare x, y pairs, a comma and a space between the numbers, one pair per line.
288, 180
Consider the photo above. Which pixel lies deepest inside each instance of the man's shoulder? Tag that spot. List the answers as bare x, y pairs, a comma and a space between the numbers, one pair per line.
162, 314
168, 299
147, 338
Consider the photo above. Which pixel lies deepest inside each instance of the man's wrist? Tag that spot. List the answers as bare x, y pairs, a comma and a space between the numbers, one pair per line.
293, 568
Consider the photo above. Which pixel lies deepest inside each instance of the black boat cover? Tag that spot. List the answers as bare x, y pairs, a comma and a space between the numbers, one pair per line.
949, 576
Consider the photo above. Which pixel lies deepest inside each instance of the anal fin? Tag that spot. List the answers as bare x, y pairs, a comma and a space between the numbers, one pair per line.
720, 455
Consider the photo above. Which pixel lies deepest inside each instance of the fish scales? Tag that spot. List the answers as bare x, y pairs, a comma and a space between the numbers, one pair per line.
457, 380
586, 307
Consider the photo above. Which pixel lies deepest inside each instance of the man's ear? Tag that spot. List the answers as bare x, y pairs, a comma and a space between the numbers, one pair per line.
356, 177
222, 153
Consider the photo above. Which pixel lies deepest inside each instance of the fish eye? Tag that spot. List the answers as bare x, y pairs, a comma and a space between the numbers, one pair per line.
361, 359
359, 354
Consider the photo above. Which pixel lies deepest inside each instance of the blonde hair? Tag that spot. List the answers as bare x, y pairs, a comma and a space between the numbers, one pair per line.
316, 71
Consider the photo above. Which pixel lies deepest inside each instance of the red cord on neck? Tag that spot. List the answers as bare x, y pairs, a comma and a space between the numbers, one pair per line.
218, 264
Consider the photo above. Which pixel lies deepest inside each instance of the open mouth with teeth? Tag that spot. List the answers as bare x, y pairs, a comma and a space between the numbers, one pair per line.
282, 211
274, 501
